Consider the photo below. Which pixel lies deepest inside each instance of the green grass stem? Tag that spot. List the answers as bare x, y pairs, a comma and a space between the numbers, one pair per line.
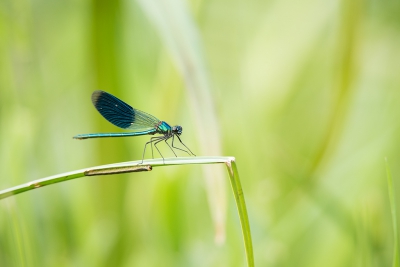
394, 216
148, 165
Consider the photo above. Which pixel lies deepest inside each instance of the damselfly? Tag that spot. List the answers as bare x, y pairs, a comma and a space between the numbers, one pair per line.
124, 116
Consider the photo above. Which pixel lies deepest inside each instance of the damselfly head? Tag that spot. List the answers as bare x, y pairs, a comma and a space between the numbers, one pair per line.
177, 129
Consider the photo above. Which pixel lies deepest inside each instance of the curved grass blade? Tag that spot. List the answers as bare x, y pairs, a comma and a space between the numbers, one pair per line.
241, 206
99, 170
394, 216
148, 165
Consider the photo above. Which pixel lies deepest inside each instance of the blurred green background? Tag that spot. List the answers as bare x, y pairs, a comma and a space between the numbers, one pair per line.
306, 94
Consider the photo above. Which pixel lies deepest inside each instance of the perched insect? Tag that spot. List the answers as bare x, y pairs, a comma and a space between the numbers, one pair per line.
124, 116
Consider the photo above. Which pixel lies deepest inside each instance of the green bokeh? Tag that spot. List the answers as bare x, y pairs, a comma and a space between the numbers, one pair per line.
307, 96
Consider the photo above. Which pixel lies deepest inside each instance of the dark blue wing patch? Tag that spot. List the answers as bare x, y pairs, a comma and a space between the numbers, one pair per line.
113, 109
121, 114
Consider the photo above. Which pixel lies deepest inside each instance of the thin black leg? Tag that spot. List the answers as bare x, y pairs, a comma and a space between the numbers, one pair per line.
185, 145
170, 146
153, 139
178, 147
158, 141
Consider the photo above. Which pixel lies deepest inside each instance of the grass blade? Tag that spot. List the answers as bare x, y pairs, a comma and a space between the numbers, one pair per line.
394, 216
241, 206
99, 170
148, 165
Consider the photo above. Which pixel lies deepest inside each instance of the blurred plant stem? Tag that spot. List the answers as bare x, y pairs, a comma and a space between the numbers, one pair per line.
343, 89
180, 35
105, 47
